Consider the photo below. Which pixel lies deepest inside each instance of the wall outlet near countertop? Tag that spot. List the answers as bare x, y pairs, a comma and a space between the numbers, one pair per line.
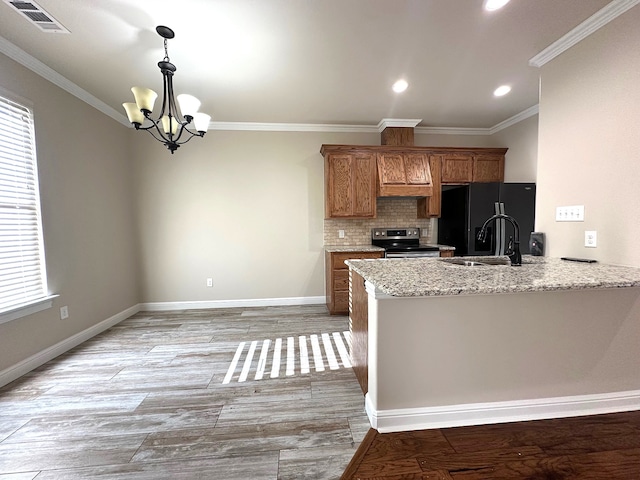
590, 238
209, 282
340, 233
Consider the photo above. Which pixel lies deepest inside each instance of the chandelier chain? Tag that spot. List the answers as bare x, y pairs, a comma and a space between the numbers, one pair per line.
166, 52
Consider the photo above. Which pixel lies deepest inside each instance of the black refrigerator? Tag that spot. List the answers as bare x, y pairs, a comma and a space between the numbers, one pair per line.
466, 207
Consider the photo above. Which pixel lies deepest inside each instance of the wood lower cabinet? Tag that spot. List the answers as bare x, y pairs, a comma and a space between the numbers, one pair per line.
337, 278
359, 328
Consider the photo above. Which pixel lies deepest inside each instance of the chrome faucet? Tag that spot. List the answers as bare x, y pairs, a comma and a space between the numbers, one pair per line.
513, 249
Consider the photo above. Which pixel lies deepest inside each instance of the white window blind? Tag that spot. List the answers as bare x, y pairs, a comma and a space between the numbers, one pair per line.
22, 267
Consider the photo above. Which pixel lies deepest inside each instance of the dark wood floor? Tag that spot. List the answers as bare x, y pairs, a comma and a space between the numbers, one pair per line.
600, 447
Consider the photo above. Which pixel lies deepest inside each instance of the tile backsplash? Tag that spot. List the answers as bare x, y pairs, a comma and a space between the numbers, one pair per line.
392, 212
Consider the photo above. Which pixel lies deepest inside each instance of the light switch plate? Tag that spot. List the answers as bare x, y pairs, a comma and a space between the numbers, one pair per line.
573, 213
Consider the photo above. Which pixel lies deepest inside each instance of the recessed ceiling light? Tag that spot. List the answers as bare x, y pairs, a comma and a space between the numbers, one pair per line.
503, 90
491, 5
400, 86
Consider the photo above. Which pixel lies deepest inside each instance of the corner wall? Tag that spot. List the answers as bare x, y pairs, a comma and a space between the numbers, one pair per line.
589, 144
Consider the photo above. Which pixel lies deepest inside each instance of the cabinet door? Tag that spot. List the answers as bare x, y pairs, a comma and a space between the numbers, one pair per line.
488, 168
457, 168
429, 207
417, 170
350, 185
364, 185
391, 169
339, 194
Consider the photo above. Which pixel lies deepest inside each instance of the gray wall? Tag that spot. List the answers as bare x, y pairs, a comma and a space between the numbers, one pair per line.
87, 213
589, 144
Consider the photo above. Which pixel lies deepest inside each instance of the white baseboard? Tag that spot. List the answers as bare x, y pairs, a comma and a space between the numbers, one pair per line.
14, 372
260, 302
399, 420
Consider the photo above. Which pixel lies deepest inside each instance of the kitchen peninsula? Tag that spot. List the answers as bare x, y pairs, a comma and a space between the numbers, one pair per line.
438, 344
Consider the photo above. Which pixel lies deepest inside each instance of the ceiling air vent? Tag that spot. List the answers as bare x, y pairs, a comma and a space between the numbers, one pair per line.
38, 16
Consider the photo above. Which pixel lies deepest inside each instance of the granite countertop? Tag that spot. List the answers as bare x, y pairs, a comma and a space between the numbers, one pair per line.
352, 248
432, 276
371, 248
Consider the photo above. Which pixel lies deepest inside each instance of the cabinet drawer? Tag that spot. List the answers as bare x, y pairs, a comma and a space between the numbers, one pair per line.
341, 280
341, 301
337, 259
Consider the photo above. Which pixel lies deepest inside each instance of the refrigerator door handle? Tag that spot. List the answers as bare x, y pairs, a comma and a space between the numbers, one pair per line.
500, 229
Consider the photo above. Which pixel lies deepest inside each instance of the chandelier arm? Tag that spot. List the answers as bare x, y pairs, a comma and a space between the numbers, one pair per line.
159, 135
191, 134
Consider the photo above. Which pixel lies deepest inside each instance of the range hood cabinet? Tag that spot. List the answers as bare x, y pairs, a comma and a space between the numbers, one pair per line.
404, 175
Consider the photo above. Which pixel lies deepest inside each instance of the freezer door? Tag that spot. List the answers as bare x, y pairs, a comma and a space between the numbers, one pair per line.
520, 202
482, 199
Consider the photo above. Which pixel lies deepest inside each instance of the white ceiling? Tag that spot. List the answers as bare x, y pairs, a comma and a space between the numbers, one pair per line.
309, 61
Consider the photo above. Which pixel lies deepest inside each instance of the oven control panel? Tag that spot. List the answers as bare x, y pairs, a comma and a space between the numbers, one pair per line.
395, 233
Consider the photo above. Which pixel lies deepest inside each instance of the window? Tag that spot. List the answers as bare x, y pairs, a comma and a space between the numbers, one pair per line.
23, 280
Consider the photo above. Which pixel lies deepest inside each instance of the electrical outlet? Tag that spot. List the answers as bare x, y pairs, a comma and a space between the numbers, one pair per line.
570, 214
340, 233
590, 238
209, 282
64, 312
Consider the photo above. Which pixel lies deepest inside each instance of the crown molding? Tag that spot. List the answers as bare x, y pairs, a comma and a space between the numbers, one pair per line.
599, 19
529, 112
292, 127
451, 131
35, 65
398, 122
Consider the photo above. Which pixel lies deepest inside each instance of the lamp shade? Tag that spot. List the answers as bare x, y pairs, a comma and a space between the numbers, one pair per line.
145, 98
169, 122
133, 112
201, 121
189, 104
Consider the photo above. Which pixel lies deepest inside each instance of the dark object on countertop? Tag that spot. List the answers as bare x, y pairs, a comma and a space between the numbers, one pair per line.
582, 260
536, 244
513, 249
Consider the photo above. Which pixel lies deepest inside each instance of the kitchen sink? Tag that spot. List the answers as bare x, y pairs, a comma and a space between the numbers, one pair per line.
476, 262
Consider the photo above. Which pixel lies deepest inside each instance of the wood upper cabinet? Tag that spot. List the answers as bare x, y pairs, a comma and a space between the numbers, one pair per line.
350, 182
429, 207
404, 174
488, 168
355, 175
457, 168
471, 167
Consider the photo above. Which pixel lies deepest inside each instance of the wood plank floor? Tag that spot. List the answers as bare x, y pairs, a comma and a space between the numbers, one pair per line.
146, 400
599, 447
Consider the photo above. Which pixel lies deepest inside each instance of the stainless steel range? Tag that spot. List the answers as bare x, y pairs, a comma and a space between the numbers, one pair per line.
402, 243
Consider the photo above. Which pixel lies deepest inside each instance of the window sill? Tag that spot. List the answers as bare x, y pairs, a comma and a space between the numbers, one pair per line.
27, 309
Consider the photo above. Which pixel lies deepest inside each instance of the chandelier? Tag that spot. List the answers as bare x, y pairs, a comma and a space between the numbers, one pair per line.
170, 128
